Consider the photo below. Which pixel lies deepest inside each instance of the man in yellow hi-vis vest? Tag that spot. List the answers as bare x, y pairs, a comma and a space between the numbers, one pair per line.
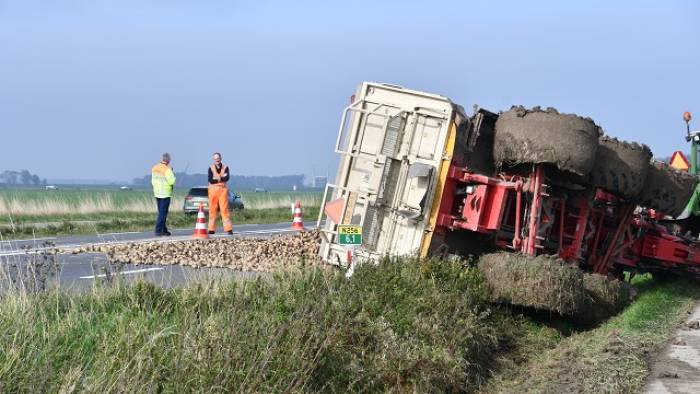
218, 195
163, 180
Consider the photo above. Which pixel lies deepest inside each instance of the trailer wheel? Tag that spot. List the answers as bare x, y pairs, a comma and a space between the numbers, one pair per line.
620, 167
666, 189
569, 142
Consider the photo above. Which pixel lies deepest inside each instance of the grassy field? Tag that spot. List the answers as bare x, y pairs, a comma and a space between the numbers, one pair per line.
400, 326
36, 212
69, 203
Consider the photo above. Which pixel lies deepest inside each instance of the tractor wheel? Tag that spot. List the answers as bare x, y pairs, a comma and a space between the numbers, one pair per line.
666, 189
569, 142
620, 167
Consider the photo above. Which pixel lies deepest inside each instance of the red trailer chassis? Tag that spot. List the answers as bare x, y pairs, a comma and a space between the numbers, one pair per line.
594, 229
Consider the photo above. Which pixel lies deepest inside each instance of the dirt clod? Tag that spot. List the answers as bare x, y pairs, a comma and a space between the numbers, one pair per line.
693, 325
668, 375
679, 342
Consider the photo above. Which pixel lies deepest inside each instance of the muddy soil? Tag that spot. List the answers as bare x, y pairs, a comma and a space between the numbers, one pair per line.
567, 141
620, 167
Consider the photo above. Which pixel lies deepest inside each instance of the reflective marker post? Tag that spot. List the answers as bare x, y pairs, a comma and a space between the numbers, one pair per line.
350, 237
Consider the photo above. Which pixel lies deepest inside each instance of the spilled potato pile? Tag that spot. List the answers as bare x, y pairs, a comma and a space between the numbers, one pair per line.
244, 254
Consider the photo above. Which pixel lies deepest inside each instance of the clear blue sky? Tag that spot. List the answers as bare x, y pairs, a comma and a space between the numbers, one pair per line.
98, 89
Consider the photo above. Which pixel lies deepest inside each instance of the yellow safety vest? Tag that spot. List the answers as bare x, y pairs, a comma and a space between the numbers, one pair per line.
163, 180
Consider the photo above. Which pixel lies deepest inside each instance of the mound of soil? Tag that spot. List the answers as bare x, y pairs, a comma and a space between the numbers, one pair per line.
548, 283
543, 282
243, 254
567, 141
666, 189
620, 167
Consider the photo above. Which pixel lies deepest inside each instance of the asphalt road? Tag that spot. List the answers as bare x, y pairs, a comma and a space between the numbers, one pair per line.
22, 264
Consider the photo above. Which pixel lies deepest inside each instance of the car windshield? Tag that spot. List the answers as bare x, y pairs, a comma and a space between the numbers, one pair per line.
198, 192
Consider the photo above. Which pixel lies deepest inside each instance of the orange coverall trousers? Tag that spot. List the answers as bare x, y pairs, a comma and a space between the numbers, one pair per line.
218, 200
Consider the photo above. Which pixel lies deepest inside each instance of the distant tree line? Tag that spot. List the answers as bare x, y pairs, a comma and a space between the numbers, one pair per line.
20, 178
237, 182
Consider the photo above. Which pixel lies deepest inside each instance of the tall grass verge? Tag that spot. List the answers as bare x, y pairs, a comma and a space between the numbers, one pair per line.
40, 204
142, 222
396, 327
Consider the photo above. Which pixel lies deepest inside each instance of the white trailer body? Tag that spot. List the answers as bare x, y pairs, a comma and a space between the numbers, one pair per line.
395, 146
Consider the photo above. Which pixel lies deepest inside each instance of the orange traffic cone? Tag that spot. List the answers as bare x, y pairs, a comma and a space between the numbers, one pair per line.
297, 222
200, 227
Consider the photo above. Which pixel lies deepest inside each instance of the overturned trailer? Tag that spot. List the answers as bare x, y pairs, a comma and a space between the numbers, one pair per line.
420, 177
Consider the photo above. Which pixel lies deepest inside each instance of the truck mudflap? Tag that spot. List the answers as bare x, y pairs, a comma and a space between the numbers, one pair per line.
395, 146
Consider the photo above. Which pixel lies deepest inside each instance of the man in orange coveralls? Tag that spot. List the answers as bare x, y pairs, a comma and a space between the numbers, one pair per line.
218, 195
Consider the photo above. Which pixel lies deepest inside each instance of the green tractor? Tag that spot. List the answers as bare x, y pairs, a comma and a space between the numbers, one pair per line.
693, 207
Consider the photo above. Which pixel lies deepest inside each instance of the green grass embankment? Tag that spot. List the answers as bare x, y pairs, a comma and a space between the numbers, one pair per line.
396, 327
392, 328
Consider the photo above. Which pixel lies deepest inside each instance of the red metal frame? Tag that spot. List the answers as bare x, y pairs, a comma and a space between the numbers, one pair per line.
482, 208
575, 227
535, 185
598, 229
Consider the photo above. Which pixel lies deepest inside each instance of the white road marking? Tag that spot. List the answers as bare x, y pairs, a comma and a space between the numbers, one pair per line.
125, 232
27, 240
123, 273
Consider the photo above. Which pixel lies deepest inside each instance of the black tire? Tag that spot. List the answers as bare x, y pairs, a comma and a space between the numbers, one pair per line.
569, 142
620, 167
666, 189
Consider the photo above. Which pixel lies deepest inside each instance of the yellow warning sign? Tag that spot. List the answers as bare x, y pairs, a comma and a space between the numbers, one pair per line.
679, 161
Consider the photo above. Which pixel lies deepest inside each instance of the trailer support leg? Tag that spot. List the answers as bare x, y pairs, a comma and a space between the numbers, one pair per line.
530, 245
